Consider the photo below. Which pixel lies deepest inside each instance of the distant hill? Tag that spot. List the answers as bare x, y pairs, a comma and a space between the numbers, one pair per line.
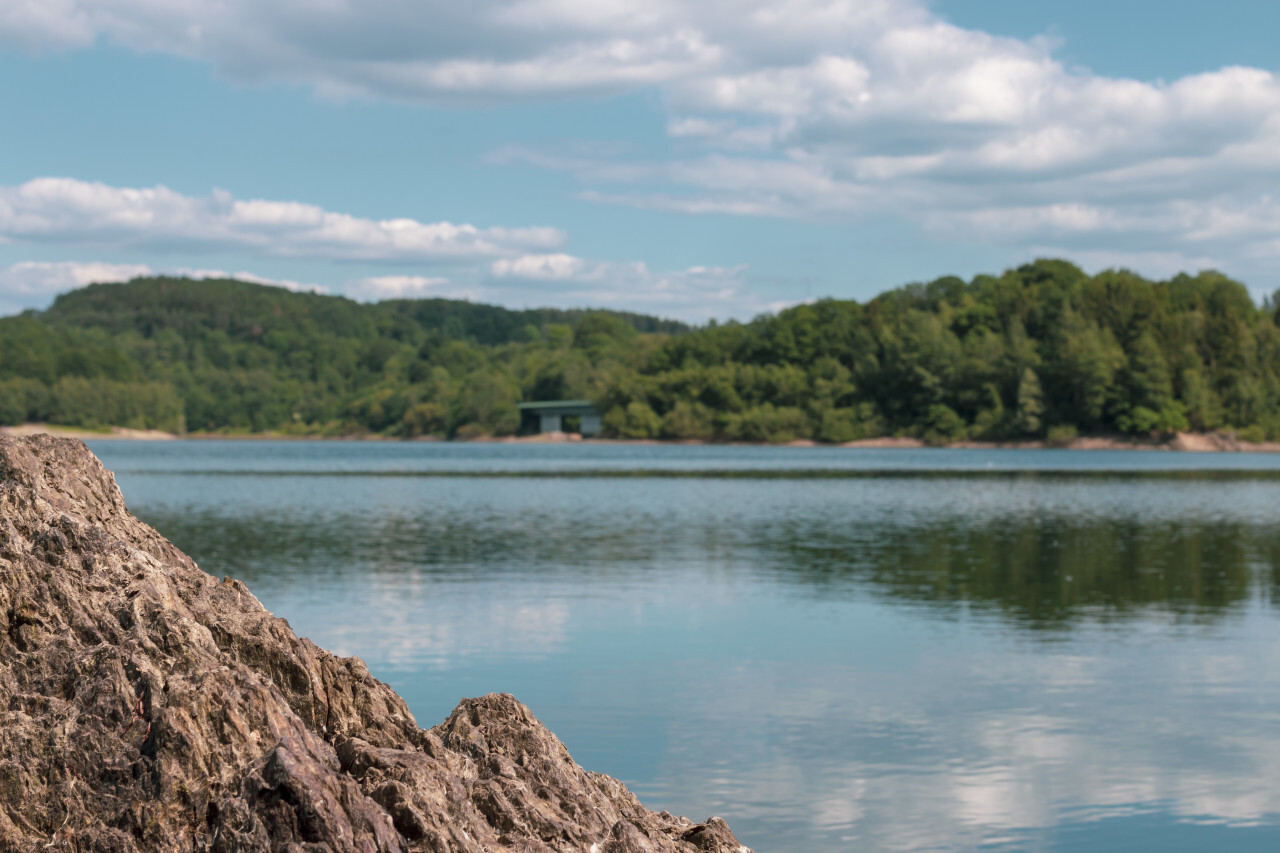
151, 305
178, 354
1041, 351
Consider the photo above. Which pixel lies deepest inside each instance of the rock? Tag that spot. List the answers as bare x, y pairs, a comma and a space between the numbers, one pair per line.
147, 706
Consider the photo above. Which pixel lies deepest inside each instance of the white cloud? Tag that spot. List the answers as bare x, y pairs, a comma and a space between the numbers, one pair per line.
31, 284
398, 49
45, 24
487, 49
71, 212
399, 287
557, 267
549, 280
817, 110
810, 109
286, 283
557, 279
696, 293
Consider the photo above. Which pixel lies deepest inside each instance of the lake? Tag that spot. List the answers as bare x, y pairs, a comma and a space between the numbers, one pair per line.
833, 649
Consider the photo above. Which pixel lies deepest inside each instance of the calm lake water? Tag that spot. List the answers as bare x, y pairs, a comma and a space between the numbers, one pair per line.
832, 649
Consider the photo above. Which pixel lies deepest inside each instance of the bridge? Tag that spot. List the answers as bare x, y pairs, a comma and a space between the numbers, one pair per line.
551, 414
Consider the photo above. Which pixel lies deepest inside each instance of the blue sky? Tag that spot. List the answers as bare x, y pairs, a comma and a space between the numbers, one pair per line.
712, 159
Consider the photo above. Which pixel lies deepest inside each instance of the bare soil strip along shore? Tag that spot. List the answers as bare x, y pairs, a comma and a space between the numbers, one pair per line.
1211, 442
86, 434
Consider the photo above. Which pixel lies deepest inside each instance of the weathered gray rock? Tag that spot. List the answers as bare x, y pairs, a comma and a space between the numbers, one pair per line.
147, 706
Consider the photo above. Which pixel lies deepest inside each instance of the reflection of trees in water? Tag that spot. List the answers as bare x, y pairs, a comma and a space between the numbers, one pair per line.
1041, 573
268, 545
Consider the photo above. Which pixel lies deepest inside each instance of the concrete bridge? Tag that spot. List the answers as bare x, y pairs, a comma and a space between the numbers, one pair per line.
551, 414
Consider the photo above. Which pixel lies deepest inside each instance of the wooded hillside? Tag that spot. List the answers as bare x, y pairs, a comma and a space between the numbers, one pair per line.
1040, 350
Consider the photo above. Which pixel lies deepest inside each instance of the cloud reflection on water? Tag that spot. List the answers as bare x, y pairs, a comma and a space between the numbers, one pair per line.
404, 640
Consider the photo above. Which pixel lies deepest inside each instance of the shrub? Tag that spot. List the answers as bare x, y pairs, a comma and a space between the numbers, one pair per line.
766, 422
637, 420
471, 430
1253, 434
838, 426
943, 425
1061, 435
688, 420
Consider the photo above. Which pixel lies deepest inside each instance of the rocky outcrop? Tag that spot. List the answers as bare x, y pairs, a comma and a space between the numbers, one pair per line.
147, 706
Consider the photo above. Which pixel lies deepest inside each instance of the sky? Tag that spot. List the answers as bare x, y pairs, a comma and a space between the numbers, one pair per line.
696, 160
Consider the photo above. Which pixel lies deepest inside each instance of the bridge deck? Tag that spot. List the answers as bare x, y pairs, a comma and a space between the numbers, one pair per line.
552, 412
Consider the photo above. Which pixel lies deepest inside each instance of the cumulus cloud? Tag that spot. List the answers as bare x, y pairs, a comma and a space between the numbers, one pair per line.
801, 108
71, 212
39, 25
286, 283
535, 280
557, 279
978, 138
483, 50
556, 267
696, 293
810, 109
393, 48
377, 287
31, 284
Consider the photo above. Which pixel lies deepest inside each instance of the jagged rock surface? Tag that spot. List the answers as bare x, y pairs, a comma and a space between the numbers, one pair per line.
147, 706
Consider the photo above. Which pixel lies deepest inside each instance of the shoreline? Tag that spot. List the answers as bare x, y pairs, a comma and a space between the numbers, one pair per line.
29, 429
1191, 442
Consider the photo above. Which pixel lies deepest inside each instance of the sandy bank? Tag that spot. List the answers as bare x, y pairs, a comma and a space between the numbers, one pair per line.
1210, 442
80, 433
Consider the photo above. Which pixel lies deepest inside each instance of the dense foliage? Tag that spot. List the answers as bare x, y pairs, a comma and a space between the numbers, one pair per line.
183, 355
1043, 350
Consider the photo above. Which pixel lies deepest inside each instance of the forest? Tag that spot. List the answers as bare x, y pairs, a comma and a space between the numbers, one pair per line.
1040, 351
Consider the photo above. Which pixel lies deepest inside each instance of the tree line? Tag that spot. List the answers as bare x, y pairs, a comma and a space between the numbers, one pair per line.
1041, 351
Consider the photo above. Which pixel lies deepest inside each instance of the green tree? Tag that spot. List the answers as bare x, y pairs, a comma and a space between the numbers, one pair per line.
637, 420
1030, 403
1039, 346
